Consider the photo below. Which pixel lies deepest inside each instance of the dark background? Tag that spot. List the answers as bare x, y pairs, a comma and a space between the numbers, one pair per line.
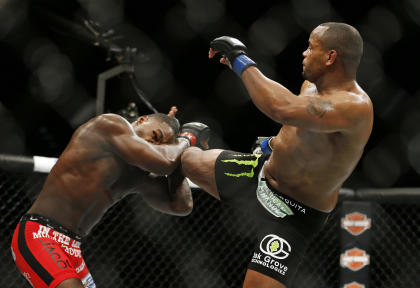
50, 67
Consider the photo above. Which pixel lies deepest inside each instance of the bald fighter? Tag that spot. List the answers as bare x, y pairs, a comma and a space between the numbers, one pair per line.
107, 159
291, 190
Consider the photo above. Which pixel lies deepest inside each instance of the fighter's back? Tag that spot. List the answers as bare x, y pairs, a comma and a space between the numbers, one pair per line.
80, 187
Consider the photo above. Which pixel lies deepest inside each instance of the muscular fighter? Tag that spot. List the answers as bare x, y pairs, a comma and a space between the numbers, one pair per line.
106, 159
324, 131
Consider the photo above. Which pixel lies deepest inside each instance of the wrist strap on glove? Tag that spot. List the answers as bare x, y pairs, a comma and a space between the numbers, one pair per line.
265, 146
189, 136
241, 63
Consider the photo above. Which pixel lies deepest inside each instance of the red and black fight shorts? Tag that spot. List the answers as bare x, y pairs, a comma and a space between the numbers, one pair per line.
47, 253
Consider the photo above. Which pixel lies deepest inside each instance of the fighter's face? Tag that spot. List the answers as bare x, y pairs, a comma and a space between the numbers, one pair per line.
153, 130
314, 56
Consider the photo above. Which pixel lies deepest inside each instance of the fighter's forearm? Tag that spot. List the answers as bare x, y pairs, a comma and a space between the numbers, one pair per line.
171, 156
181, 197
270, 97
169, 195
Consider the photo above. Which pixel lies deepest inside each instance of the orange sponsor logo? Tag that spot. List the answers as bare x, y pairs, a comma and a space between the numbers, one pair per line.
354, 259
354, 285
355, 223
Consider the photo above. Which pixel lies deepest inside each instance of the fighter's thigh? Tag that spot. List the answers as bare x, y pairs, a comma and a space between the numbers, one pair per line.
254, 279
71, 283
198, 166
42, 262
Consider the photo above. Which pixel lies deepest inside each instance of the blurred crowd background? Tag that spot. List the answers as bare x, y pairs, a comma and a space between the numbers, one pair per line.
51, 62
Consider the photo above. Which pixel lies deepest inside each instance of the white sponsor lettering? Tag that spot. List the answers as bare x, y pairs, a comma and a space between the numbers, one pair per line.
42, 232
362, 223
88, 281
28, 278
81, 267
274, 250
63, 239
46, 232
71, 251
257, 256
270, 263
75, 244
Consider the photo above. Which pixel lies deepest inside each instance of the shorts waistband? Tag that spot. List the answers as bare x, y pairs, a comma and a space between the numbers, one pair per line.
290, 201
52, 224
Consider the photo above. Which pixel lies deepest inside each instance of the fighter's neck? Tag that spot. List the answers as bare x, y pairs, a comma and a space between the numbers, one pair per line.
334, 82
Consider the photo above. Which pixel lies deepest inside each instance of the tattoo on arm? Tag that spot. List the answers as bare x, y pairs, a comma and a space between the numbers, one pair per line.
318, 107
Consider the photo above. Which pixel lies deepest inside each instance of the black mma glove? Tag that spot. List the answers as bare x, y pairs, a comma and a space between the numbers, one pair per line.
195, 133
233, 50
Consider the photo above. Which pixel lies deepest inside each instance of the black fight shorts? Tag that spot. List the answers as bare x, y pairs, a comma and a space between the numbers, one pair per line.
285, 226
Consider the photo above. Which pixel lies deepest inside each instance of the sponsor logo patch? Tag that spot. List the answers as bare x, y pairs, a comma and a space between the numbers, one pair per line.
271, 202
354, 259
275, 246
354, 285
355, 223
251, 163
88, 281
273, 250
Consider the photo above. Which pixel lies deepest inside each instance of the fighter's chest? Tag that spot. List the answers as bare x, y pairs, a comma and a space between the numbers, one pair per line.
127, 182
305, 146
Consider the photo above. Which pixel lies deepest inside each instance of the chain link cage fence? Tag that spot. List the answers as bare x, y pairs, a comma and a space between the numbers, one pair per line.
134, 246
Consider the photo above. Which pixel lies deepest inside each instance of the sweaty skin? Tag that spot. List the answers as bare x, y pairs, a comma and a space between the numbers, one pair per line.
324, 131
105, 161
318, 156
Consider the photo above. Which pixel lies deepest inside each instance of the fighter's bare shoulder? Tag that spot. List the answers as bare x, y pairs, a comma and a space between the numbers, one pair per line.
355, 105
112, 123
356, 99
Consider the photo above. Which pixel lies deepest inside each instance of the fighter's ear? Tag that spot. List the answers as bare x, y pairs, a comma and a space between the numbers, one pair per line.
332, 55
141, 119
173, 111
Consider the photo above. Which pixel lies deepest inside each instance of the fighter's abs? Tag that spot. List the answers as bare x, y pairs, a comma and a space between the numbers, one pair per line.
308, 163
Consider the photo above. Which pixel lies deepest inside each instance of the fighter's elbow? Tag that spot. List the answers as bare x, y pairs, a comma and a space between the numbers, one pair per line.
166, 166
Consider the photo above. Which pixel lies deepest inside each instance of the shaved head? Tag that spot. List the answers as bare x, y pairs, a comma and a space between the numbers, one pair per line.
344, 39
171, 121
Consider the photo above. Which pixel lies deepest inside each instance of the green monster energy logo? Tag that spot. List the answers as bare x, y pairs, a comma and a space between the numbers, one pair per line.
252, 163
274, 246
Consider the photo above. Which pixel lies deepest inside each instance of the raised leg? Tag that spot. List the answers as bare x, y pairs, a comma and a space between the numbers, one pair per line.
198, 166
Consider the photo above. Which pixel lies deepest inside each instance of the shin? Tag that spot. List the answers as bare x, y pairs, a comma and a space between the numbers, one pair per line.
198, 166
